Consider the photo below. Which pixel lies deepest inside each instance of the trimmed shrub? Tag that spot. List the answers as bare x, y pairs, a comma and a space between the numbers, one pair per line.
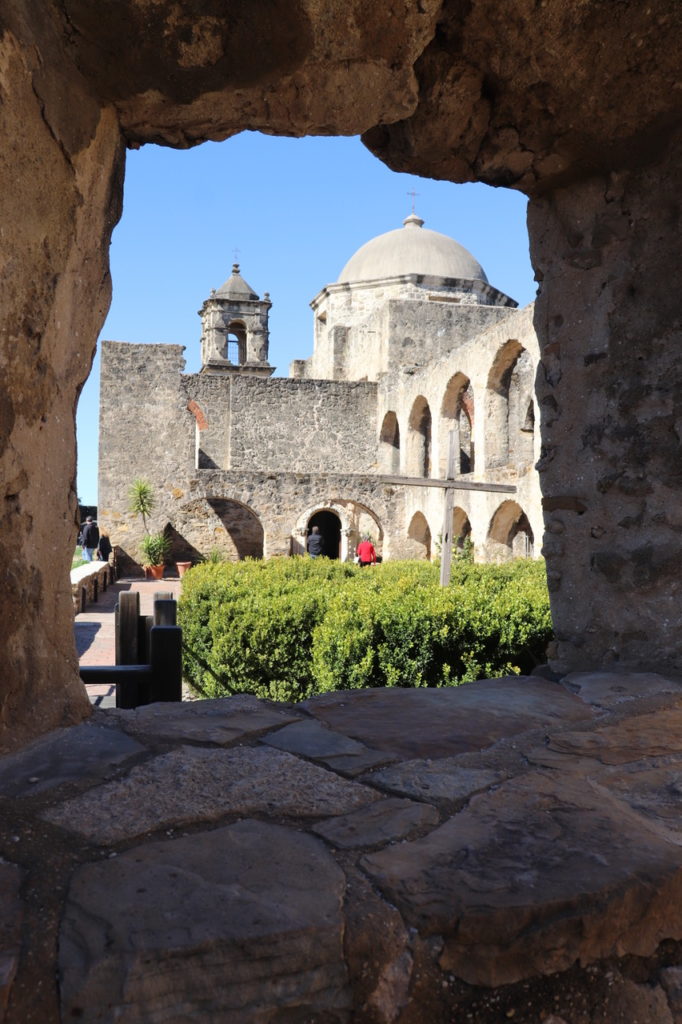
288, 628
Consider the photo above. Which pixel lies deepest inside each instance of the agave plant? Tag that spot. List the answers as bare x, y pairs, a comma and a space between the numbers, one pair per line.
155, 548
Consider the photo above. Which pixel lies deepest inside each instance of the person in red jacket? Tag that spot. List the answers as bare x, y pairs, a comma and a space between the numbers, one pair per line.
365, 552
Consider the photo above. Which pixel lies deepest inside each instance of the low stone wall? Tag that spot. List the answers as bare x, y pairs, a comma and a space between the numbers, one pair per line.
88, 581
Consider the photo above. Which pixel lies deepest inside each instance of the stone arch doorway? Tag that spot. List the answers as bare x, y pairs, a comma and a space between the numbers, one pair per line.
418, 454
224, 525
510, 534
329, 526
510, 420
389, 444
419, 537
457, 413
461, 528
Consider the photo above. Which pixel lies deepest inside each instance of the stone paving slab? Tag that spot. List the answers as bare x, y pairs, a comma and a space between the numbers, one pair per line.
445, 779
383, 822
453, 720
525, 879
535, 859
313, 740
193, 784
610, 689
210, 721
66, 755
628, 740
11, 920
225, 932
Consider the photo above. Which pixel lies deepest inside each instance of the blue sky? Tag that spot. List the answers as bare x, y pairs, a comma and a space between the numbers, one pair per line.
292, 212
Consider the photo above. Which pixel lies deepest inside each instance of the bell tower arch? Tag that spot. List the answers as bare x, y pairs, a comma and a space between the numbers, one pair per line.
234, 329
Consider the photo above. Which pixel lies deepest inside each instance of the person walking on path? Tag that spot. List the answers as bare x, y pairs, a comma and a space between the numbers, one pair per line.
89, 538
104, 548
366, 552
315, 543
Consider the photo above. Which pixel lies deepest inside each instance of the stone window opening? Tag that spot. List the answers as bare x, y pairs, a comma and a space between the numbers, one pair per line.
457, 413
235, 344
419, 538
461, 528
418, 454
510, 423
510, 534
389, 444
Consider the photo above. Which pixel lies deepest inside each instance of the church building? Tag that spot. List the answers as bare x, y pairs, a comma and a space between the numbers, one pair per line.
416, 355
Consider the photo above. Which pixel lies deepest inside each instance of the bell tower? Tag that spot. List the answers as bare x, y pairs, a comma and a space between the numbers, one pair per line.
234, 329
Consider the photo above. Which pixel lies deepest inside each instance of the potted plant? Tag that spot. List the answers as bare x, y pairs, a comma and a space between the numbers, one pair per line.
155, 548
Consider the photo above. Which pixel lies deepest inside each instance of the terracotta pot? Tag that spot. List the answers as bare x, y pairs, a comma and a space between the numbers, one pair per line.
156, 571
182, 567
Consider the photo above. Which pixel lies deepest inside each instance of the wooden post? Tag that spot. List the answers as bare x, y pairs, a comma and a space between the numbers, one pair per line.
446, 546
166, 663
127, 646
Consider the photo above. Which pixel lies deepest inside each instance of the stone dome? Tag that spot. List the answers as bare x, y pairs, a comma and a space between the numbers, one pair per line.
411, 249
235, 287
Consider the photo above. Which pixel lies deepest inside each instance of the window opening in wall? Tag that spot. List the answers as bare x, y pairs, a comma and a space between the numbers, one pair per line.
419, 537
419, 439
389, 444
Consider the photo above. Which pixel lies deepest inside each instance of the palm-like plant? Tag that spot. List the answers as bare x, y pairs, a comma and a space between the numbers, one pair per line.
141, 499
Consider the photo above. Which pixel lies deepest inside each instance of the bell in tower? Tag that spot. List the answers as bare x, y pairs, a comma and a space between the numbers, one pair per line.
234, 329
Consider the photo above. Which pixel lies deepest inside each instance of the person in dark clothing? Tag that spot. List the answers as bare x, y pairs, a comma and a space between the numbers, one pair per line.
104, 549
315, 543
89, 538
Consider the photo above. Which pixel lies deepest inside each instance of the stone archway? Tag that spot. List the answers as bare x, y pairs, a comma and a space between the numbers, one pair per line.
419, 440
329, 526
510, 534
462, 93
419, 538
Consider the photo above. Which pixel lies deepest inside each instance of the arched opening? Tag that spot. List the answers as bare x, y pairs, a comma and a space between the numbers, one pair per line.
418, 455
329, 526
457, 413
235, 343
510, 417
181, 549
461, 531
509, 534
389, 444
236, 531
419, 538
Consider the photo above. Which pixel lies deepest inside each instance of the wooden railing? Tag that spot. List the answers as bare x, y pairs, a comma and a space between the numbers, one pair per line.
148, 653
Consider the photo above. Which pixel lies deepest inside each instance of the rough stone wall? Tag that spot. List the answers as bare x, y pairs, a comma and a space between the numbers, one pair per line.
421, 332
361, 330
210, 397
457, 91
61, 164
283, 425
609, 390
146, 431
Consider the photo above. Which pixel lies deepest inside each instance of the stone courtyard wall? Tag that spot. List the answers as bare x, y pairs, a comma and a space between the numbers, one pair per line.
284, 425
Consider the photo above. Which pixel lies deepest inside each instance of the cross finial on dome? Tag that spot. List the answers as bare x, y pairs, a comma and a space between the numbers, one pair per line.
414, 195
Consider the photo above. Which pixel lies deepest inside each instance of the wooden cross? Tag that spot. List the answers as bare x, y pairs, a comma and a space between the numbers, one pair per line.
449, 485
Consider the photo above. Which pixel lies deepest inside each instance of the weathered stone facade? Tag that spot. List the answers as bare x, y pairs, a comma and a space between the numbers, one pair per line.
243, 464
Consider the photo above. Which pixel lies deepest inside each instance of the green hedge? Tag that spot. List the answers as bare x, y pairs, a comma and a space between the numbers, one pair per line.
288, 628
